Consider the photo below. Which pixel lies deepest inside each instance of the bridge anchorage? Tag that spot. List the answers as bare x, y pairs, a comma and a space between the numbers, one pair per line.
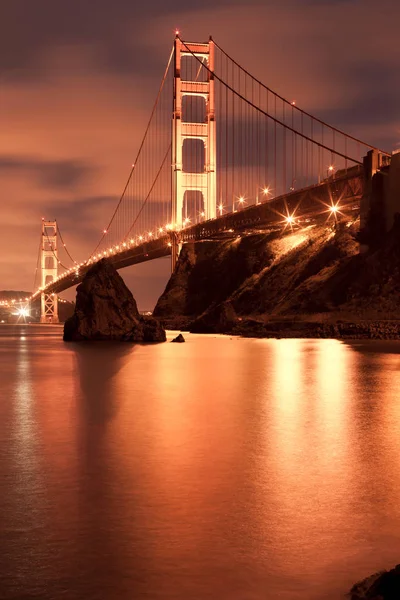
223, 154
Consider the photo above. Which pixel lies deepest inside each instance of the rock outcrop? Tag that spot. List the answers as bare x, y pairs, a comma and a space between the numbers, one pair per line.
309, 282
384, 585
106, 310
179, 339
208, 272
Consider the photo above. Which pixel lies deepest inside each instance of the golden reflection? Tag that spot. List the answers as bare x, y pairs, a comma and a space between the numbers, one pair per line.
24, 400
310, 441
189, 447
334, 364
287, 392
377, 429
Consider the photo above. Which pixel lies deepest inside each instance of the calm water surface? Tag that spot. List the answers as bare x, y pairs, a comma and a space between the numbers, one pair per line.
220, 468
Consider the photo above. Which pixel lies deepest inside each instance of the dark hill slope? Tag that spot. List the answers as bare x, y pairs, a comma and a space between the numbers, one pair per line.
310, 275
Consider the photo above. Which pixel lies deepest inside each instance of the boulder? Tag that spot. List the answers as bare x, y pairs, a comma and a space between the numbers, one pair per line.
106, 310
179, 339
384, 585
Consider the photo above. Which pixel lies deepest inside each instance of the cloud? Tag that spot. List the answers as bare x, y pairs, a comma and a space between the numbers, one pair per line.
47, 173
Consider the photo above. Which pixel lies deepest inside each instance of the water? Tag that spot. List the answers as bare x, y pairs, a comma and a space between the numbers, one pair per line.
220, 468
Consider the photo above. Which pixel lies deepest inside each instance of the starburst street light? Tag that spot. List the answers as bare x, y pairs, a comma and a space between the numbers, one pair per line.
220, 208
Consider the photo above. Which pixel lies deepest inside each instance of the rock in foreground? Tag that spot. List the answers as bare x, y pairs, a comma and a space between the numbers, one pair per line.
106, 310
381, 586
179, 339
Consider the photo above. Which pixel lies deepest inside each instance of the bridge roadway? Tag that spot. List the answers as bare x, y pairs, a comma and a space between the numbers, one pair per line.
308, 204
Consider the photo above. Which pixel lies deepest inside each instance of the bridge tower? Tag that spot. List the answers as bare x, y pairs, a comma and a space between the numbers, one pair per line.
182, 181
49, 268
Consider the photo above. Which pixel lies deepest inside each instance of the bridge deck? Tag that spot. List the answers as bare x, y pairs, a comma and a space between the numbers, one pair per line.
307, 204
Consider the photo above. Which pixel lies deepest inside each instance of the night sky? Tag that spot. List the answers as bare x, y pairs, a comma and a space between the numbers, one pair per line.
78, 78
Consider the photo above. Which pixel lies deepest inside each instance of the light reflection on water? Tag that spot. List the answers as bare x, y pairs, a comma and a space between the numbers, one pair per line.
219, 468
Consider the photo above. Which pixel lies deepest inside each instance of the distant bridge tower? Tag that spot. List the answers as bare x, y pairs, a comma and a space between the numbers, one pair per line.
205, 182
49, 267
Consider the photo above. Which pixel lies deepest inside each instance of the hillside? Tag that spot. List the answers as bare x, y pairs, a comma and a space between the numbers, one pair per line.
307, 282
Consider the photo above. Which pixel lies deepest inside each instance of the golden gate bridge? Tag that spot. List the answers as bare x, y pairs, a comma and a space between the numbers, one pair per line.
221, 153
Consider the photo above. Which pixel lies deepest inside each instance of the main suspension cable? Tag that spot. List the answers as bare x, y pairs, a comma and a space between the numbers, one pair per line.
351, 137
64, 245
54, 254
279, 122
138, 153
37, 263
151, 189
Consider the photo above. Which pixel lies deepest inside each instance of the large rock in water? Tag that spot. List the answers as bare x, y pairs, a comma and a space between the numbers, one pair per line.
381, 586
106, 310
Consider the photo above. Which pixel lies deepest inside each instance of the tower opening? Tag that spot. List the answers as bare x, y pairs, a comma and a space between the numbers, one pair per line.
193, 156
193, 70
193, 206
194, 109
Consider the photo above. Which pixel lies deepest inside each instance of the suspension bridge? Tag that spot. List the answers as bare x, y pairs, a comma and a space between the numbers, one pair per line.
222, 153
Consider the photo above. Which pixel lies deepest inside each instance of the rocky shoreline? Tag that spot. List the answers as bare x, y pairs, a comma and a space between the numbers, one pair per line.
312, 283
384, 585
363, 329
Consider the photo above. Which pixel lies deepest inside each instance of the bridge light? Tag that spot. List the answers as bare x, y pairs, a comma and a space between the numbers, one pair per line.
131, 241
290, 219
124, 244
104, 231
117, 247
161, 230
266, 191
334, 208
150, 234
220, 208
241, 200
202, 214
293, 103
140, 237
169, 244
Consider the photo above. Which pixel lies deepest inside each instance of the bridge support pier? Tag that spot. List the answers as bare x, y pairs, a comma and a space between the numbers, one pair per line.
393, 190
49, 268
176, 247
381, 198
